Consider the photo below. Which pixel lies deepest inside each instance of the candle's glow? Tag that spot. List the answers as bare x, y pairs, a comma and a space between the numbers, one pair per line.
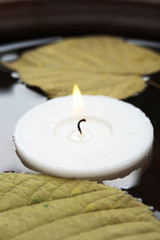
78, 105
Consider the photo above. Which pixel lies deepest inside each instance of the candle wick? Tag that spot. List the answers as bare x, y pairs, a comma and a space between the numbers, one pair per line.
78, 125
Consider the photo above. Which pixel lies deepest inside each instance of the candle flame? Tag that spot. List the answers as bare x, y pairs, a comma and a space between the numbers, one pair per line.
78, 105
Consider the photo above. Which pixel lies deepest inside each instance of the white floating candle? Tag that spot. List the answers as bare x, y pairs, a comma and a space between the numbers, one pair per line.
116, 139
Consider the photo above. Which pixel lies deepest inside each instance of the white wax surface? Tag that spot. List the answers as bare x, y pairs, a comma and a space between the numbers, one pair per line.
116, 139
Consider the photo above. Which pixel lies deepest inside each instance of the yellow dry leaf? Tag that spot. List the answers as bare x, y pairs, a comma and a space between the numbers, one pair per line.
44, 207
60, 82
100, 65
96, 54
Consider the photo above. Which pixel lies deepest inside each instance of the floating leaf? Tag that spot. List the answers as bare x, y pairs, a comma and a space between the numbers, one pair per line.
43, 207
60, 82
100, 65
93, 54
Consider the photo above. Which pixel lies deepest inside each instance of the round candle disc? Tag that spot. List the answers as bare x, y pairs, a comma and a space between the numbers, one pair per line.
116, 139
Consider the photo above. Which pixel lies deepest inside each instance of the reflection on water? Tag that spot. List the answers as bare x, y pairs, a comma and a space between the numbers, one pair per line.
127, 182
15, 100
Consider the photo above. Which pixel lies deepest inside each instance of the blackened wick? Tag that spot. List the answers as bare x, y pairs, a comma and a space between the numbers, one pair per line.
78, 125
